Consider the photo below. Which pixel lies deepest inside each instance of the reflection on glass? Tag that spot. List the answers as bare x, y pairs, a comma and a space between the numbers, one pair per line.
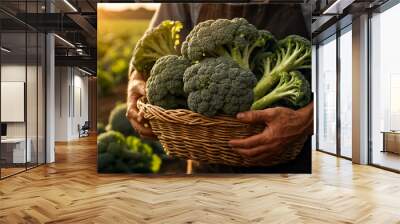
31, 97
22, 90
346, 94
327, 96
41, 99
15, 151
385, 84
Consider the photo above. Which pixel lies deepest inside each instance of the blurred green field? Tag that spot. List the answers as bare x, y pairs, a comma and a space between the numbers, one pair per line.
121, 27
116, 39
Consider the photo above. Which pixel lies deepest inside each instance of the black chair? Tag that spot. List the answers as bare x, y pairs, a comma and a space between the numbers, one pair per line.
84, 130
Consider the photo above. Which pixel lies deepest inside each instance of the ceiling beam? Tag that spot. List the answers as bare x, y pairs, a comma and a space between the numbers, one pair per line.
83, 23
78, 61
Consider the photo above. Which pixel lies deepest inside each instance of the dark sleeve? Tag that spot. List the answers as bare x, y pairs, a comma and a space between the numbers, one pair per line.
170, 11
173, 11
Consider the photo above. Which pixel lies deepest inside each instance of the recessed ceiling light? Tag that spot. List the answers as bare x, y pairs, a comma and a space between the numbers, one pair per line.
70, 5
338, 6
64, 40
84, 71
5, 50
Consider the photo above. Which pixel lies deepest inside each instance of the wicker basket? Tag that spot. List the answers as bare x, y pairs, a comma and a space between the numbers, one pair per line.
188, 135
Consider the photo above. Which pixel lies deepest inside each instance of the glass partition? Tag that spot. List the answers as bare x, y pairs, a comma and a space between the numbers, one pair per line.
23, 91
14, 151
385, 89
32, 96
346, 92
326, 85
41, 96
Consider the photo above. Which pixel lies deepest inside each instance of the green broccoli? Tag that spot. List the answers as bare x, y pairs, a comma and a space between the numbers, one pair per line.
293, 89
292, 53
165, 85
218, 85
155, 43
106, 138
235, 38
117, 121
120, 154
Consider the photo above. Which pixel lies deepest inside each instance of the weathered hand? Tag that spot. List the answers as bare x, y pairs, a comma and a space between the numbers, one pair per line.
137, 89
283, 127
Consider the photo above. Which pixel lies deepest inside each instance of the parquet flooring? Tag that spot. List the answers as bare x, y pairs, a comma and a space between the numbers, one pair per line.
70, 191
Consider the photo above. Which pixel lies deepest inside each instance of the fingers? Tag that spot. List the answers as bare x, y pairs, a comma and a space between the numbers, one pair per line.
132, 110
265, 156
258, 116
141, 129
250, 142
260, 149
272, 152
137, 89
264, 151
255, 116
253, 152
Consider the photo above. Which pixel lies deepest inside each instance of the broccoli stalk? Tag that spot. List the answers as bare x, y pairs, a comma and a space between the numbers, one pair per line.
293, 52
292, 88
241, 54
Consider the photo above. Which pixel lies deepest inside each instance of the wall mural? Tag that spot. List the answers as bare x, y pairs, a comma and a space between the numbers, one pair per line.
204, 88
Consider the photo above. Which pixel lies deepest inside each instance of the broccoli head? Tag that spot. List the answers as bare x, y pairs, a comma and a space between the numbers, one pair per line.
292, 53
165, 84
105, 139
130, 154
155, 43
235, 38
293, 89
218, 85
117, 121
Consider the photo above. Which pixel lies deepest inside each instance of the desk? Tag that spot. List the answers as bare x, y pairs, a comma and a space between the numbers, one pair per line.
391, 141
16, 147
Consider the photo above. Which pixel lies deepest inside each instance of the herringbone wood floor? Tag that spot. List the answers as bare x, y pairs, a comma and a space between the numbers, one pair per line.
70, 191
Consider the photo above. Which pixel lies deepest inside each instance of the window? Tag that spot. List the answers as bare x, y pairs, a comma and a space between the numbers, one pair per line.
327, 95
22, 77
385, 89
346, 92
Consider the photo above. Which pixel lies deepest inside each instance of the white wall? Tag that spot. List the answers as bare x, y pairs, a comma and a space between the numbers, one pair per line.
71, 94
14, 73
33, 127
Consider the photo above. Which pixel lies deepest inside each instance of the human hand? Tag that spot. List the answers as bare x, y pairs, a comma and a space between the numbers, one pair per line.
284, 126
137, 89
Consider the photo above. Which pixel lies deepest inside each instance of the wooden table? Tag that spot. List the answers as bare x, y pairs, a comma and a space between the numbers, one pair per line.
391, 141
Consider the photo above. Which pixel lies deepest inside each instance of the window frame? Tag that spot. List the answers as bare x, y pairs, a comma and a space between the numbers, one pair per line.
339, 32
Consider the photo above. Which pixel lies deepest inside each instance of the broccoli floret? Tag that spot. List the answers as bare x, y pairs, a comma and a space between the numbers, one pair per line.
105, 139
292, 53
155, 43
117, 121
292, 88
218, 85
130, 154
235, 38
165, 85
